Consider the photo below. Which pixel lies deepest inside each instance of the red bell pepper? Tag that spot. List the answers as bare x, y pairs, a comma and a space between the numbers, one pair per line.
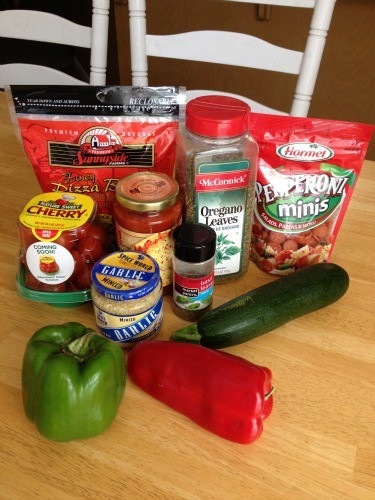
222, 393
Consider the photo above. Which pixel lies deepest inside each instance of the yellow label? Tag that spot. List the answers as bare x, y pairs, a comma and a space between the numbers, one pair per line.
57, 212
46, 259
157, 245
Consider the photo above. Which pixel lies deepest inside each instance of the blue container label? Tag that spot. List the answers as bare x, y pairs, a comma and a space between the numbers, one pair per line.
125, 275
125, 329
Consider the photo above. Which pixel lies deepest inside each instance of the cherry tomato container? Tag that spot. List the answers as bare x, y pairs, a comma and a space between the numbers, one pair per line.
60, 240
147, 207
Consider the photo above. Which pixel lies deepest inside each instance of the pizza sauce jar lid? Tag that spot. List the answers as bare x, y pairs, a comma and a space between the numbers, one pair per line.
145, 192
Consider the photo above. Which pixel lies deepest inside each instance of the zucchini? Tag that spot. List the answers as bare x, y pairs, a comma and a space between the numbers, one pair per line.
267, 307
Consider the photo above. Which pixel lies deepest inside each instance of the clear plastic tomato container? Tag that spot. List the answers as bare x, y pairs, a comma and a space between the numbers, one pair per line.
60, 241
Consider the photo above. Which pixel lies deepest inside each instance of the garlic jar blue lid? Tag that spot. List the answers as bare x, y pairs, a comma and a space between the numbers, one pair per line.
125, 275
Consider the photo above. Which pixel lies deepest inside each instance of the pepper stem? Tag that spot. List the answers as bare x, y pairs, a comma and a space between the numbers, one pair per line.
188, 334
269, 393
81, 346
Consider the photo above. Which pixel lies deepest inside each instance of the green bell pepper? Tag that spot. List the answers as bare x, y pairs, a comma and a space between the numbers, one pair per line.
73, 381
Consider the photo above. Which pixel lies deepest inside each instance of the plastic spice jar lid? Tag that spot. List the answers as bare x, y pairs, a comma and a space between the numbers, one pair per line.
194, 242
217, 116
147, 191
126, 275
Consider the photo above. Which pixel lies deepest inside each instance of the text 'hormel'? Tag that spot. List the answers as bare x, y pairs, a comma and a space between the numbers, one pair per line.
304, 151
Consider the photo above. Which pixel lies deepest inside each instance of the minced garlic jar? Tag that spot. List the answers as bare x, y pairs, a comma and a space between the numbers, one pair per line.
127, 297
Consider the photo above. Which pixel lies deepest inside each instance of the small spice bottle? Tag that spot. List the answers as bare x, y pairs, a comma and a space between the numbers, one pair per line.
147, 207
216, 172
193, 270
127, 296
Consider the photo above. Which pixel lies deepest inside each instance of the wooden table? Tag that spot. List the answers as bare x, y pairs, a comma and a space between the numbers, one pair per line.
317, 443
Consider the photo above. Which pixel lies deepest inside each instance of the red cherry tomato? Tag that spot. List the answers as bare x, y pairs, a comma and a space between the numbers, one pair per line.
79, 263
67, 239
97, 232
31, 282
83, 281
259, 248
55, 287
71, 287
22, 256
61, 202
267, 266
283, 255
302, 262
49, 268
256, 230
26, 237
82, 230
90, 249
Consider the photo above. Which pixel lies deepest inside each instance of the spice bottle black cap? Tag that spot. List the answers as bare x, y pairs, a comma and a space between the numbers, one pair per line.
194, 242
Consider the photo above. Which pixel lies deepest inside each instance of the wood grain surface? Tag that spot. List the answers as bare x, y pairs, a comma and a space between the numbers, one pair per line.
317, 443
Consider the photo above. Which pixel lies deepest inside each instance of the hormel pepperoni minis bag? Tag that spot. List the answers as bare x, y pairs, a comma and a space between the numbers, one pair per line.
83, 139
307, 171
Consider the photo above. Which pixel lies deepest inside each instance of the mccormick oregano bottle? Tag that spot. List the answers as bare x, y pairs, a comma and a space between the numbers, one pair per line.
217, 172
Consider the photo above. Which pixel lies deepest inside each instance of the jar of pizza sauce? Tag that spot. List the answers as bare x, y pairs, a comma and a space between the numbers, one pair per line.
147, 208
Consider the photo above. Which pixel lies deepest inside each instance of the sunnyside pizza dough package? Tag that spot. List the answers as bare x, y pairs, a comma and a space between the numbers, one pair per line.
83, 139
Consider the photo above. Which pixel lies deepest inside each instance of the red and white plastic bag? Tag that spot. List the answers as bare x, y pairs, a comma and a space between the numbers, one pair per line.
83, 139
307, 171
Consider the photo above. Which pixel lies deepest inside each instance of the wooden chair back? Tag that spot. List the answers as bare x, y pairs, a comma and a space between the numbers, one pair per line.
46, 27
236, 49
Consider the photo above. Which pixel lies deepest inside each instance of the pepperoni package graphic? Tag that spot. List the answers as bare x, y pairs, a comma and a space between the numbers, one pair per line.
306, 175
82, 140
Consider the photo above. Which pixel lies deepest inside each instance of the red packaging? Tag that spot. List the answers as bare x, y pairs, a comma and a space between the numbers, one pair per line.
83, 139
307, 171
